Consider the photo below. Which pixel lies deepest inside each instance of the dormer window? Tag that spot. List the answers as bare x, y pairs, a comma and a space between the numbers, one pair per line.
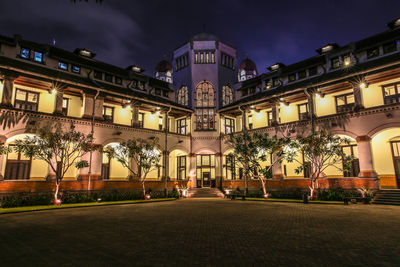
108, 78
38, 56
98, 75
313, 71
25, 53
76, 69
62, 65
292, 77
373, 52
275, 82
302, 74
389, 47
335, 63
118, 80
268, 84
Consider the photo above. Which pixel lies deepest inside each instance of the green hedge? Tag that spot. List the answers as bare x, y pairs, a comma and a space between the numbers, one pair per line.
22, 200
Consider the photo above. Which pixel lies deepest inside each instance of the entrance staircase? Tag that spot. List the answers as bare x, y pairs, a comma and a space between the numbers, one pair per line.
387, 197
205, 192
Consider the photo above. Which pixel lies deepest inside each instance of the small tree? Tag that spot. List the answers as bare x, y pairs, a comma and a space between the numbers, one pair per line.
250, 150
142, 152
61, 149
320, 150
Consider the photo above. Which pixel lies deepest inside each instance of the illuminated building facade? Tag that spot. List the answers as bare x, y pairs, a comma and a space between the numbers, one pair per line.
199, 96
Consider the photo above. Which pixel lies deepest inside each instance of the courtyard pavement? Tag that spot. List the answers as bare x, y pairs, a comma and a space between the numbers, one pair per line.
204, 232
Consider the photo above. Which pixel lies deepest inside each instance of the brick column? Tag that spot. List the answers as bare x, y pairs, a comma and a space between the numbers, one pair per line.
275, 113
59, 102
277, 173
135, 115
98, 107
365, 157
9, 78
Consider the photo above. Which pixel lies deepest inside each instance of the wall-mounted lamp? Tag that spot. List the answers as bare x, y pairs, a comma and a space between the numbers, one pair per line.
321, 95
283, 101
363, 85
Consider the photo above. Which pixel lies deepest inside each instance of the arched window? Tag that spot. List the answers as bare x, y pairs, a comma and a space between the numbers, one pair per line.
205, 117
227, 95
183, 96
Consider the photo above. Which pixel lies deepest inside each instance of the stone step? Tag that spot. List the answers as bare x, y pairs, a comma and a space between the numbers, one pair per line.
387, 197
205, 192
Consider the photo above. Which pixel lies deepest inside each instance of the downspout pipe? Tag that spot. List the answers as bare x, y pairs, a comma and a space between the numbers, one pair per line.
311, 107
92, 133
166, 152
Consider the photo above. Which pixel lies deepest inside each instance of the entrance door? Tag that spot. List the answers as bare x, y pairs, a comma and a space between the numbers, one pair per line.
396, 160
206, 179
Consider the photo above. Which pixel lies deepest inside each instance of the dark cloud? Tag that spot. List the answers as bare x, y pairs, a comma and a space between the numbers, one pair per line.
142, 32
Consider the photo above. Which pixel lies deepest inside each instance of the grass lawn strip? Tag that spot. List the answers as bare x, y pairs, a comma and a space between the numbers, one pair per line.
78, 205
294, 200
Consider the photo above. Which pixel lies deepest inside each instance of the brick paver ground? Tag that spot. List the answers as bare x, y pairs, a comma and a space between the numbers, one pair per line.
204, 232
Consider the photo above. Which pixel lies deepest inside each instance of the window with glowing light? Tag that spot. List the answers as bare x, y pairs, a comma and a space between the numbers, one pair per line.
250, 119
65, 105
25, 53
181, 126
183, 96
391, 93
181, 167
160, 123
344, 103
26, 100
229, 125
63, 65
227, 95
108, 113
303, 111
76, 69
205, 117
38, 56
141, 120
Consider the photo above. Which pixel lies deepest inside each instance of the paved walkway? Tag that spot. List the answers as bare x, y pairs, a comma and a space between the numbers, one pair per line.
204, 232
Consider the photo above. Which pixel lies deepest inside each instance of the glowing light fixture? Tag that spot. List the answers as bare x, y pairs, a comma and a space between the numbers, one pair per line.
363, 85
54, 91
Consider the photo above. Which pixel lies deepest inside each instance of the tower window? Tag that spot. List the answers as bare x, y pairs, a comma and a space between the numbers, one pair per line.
25, 53
63, 65
76, 69
38, 56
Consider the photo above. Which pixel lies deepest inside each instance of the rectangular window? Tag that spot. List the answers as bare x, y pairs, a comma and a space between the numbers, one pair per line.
268, 84
140, 85
181, 168
141, 120
270, 118
292, 77
302, 74
344, 103
252, 90
207, 57
391, 93
118, 80
62, 65
313, 71
212, 57
373, 52
26, 100
165, 93
181, 126
157, 91
346, 60
205, 119
38, 56
229, 125
108, 78
303, 111
389, 47
25, 53
335, 63
65, 105
250, 122
108, 113
160, 123
76, 68
98, 75
196, 57
275, 82
230, 168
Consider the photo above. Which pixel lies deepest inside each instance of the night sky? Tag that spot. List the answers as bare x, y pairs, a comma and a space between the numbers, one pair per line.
143, 32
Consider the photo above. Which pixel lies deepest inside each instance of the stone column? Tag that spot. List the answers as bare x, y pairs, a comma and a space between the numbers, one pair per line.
358, 97
218, 170
277, 173
9, 78
165, 165
365, 157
